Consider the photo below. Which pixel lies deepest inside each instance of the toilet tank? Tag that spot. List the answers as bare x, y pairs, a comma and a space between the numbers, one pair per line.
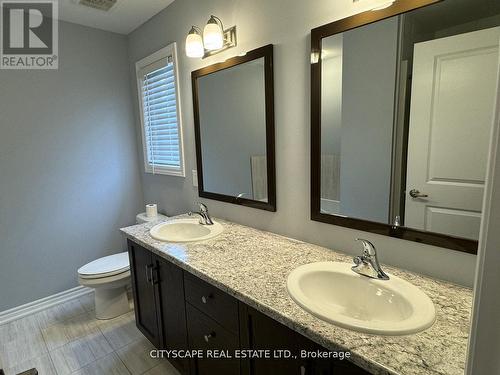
142, 218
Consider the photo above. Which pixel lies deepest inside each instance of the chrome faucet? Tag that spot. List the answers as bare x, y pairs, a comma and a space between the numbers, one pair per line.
397, 222
367, 264
205, 218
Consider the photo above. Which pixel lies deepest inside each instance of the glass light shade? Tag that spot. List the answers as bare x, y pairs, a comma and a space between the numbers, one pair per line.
194, 45
213, 37
384, 5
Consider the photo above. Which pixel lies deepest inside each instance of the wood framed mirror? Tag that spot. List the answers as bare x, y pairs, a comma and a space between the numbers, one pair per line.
234, 130
402, 103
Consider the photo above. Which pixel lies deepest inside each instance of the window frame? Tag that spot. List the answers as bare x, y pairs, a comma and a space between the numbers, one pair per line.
151, 60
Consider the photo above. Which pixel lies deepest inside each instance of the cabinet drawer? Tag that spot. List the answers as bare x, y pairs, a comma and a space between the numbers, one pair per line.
212, 301
206, 334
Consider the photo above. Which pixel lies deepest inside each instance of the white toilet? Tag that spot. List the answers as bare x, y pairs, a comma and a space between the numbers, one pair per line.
110, 277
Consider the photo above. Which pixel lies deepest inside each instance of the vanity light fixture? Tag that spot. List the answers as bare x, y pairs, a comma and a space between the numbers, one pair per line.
315, 56
383, 6
194, 43
215, 39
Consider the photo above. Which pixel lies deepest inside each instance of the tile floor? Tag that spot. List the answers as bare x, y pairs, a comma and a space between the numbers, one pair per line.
67, 339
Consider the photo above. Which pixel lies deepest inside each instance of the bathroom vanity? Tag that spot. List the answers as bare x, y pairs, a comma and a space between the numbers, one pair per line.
230, 293
177, 310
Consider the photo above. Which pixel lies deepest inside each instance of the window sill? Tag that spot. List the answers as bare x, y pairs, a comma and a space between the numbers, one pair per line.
165, 171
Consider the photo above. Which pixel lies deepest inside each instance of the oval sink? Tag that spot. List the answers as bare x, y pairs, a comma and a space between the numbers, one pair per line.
333, 292
185, 230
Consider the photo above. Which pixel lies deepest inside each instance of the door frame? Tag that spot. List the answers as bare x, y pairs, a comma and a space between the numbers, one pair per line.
484, 337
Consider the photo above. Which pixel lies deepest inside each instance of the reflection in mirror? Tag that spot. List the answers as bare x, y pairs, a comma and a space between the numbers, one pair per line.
233, 122
358, 70
407, 107
232, 108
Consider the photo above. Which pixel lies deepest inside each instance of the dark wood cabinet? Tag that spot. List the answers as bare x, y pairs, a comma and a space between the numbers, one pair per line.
213, 302
262, 332
160, 312
259, 332
145, 292
208, 335
172, 310
347, 368
176, 310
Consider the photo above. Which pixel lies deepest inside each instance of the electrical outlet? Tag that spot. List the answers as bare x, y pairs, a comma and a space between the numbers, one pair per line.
195, 178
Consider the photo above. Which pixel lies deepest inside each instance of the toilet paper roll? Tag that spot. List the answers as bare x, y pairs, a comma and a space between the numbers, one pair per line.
151, 210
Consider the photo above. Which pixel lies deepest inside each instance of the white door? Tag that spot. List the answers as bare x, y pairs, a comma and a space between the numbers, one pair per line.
452, 106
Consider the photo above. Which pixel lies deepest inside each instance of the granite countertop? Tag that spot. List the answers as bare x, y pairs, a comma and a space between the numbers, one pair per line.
253, 265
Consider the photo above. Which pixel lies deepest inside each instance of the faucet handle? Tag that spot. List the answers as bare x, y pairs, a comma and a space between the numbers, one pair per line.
368, 247
357, 260
397, 222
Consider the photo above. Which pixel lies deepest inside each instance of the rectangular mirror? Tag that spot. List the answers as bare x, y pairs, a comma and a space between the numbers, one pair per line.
234, 130
402, 108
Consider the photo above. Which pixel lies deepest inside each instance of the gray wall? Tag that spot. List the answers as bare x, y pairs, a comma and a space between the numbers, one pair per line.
68, 165
357, 119
233, 126
369, 55
286, 24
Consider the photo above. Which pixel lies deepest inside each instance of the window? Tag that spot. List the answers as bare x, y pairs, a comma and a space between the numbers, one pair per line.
158, 89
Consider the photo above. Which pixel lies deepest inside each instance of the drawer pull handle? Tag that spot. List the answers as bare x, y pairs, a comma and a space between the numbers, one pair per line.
209, 336
149, 273
154, 270
205, 299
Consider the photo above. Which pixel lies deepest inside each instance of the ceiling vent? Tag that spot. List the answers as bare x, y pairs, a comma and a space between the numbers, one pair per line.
104, 5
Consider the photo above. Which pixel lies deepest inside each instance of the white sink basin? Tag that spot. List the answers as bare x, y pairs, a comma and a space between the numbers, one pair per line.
185, 230
333, 292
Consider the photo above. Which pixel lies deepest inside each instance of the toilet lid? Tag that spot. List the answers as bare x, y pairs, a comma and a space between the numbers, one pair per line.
106, 266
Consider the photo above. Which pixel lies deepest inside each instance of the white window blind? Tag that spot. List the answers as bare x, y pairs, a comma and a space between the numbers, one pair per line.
160, 109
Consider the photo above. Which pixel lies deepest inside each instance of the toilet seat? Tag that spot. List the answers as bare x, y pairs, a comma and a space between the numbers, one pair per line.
112, 265
108, 282
109, 277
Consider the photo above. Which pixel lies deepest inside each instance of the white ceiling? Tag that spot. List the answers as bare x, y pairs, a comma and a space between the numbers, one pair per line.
124, 17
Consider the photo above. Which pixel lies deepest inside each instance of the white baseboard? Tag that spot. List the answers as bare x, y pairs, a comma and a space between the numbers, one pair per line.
42, 304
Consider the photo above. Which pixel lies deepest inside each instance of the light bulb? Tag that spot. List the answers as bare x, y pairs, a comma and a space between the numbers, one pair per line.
213, 36
385, 5
194, 44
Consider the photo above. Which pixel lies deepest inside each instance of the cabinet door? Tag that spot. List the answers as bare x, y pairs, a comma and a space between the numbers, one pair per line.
347, 368
141, 268
259, 332
212, 301
172, 310
310, 366
208, 335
